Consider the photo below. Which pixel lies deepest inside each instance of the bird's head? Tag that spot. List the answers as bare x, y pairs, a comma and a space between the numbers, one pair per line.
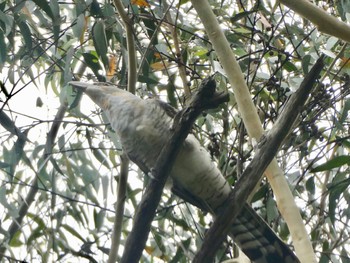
100, 93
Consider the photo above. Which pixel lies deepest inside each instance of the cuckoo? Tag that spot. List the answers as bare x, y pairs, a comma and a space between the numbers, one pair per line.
144, 126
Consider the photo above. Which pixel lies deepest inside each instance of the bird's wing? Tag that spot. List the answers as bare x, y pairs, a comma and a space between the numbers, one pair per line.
202, 178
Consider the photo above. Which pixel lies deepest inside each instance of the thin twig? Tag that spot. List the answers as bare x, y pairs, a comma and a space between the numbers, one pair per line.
119, 209
122, 185
23, 210
132, 72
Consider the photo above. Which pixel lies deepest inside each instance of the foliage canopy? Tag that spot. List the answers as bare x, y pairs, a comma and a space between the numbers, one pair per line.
58, 156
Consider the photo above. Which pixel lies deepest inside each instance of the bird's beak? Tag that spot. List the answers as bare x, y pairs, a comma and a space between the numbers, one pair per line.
78, 85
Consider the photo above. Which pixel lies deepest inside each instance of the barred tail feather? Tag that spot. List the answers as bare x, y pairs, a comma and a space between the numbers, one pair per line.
258, 241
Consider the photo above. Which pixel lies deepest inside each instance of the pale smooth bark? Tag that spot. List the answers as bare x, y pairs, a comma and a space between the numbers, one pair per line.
323, 21
248, 111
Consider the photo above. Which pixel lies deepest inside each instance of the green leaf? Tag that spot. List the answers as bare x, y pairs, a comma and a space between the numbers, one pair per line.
183, 2
16, 154
80, 7
92, 62
2, 6
43, 4
324, 258
7, 123
151, 26
12, 209
181, 251
95, 9
345, 257
310, 185
241, 15
57, 167
305, 63
76, 100
147, 79
8, 22
56, 19
336, 162
261, 193
99, 218
242, 30
79, 27
340, 9
284, 231
331, 42
3, 49
289, 66
67, 74
100, 41
34, 235
105, 185
100, 156
339, 184
345, 112
271, 210
15, 241
73, 231
4, 165
27, 34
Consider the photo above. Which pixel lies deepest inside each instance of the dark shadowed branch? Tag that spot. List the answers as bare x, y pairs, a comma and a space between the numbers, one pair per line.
205, 98
265, 152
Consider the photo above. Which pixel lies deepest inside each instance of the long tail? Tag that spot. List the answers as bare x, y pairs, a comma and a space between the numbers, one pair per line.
258, 241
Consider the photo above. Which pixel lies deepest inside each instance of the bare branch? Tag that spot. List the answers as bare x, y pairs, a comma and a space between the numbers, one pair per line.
132, 72
23, 210
324, 21
119, 208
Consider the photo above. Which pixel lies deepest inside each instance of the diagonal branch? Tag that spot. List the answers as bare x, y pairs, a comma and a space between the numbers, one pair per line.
324, 21
23, 209
284, 198
265, 152
204, 99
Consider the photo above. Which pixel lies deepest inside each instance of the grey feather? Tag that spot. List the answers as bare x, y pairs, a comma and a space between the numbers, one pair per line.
144, 126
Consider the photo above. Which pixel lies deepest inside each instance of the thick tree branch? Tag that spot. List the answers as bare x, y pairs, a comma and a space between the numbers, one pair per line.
265, 152
324, 21
284, 198
205, 98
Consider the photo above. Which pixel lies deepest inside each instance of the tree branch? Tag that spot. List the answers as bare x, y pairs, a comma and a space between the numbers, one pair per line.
122, 184
265, 152
179, 58
284, 198
205, 98
324, 21
23, 210
130, 43
119, 208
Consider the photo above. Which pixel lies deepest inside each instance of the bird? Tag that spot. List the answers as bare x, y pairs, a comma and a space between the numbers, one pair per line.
144, 126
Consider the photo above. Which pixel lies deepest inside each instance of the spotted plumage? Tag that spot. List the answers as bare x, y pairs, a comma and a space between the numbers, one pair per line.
144, 126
